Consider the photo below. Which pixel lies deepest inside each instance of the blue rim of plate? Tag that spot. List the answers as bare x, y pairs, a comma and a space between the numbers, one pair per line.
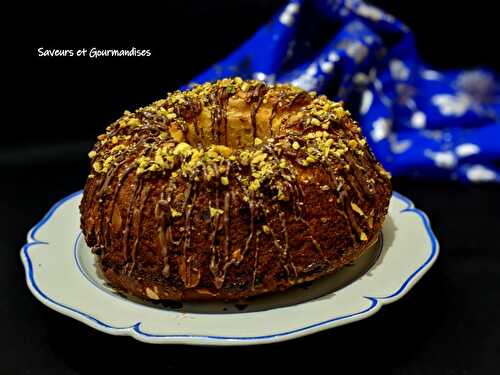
375, 302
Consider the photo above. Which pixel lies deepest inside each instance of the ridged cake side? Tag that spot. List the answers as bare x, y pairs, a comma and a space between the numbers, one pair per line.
231, 189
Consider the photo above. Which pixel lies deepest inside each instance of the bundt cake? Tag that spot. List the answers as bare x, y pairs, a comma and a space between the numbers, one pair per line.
231, 189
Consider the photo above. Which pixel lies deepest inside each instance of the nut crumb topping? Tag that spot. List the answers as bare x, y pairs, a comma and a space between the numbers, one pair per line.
182, 136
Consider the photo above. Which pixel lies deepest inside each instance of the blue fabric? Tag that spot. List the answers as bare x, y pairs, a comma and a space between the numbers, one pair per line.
419, 122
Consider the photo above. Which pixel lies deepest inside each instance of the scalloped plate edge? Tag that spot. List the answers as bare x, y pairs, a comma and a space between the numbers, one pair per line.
135, 330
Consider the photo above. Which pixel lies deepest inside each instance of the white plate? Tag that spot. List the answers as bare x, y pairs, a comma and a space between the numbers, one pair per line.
61, 273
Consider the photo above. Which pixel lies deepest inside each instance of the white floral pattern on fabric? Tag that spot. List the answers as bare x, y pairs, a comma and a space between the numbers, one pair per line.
366, 101
381, 129
442, 159
452, 105
307, 80
418, 120
399, 146
467, 149
479, 85
333, 56
399, 70
431, 75
326, 66
357, 51
373, 13
479, 173
259, 76
287, 18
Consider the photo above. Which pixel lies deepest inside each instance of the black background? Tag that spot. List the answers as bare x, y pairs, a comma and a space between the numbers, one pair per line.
449, 323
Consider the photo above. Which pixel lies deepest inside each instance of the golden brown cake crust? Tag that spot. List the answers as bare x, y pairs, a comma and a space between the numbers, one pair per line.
231, 189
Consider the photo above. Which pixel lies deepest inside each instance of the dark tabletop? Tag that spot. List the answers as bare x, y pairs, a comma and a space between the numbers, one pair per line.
449, 323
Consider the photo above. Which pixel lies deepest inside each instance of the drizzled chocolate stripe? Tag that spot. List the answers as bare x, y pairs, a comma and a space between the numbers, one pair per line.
284, 254
227, 242
188, 282
101, 231
335, 185
219, 101
256, 99
251, 206
118, 186
191, 113
138, 188
163, 210
361, 180
274, 111
138, 226
256, 260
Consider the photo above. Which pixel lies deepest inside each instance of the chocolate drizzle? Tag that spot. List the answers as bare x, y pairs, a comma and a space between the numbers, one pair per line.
289, 266
129, 217
273, 114
138, 212
189, 281
227, 242
219, 100
118, 187
256, 98
104, 221
160, 216
256, 261
251, 206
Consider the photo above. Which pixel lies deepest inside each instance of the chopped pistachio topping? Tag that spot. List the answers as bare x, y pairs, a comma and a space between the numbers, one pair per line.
215, 211
311, 159
175, 213
352, 143
259, 157
315, 122
357, 209
183, 149
174, 149
254, 185
383, 172
133, 122
97, 166
245, 86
